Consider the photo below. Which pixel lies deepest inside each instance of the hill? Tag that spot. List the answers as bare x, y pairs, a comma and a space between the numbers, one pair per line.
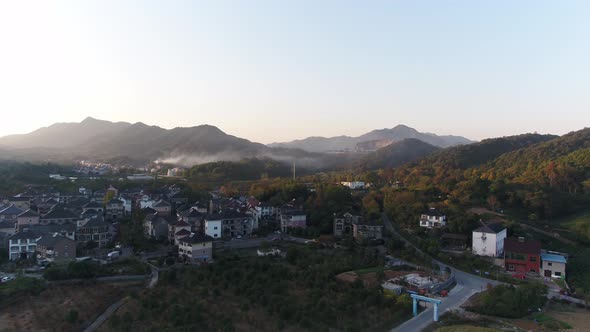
347, 143
397, 153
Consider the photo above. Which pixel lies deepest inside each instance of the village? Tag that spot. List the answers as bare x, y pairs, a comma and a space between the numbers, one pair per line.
45, 229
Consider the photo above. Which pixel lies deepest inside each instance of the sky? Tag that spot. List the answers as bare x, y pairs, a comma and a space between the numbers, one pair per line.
273, 71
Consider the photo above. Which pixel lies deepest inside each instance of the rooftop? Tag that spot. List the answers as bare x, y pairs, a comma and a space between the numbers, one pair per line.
517, 245
554, 258
491, 228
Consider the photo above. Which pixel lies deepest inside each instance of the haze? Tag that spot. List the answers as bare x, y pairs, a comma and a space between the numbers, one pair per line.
276, 71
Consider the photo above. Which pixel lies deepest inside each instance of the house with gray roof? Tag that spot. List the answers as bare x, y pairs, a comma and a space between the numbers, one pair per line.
56, 248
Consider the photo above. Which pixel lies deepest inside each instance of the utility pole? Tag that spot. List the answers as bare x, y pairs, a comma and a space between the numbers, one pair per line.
293, 170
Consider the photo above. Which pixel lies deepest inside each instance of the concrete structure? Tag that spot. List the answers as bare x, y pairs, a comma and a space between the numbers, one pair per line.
56, 248
553, 265
433, 219
417, 298
26, 220
213, 228
196, 248
367, 231
115, 210
354, 184
343, 224
95, 229
488, 240
22, 245
164, 208
522, 256
294, 218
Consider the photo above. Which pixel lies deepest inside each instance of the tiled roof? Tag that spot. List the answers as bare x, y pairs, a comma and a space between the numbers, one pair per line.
196, 238
59, 213
491, 228
11, 210
513, 244
25, 234
50, 240
28, 213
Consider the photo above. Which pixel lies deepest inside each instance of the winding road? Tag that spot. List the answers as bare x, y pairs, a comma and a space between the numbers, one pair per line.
466, 286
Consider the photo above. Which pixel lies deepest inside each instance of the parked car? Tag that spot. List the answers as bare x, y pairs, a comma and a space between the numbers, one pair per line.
7, 279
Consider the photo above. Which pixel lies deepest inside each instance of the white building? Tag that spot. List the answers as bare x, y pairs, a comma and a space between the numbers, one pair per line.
213, 228
354, 184
488, 240
433, 219
23, 245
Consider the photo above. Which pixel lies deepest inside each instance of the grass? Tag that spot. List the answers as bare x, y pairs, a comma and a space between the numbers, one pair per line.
550, 323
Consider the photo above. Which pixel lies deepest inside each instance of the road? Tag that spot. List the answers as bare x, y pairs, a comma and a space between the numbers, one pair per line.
105, 315
467, 285
257, 242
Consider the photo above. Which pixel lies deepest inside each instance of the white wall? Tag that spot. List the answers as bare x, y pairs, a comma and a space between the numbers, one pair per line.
213, 228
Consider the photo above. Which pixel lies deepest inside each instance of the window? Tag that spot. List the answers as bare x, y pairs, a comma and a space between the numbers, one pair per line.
550, 264
533, 259
511, 267
558, 274
215, 228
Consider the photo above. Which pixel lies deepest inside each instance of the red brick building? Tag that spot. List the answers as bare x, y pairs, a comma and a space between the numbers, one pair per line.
522, 255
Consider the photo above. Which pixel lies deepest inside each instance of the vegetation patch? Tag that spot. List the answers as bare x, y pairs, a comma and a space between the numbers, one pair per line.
509, 301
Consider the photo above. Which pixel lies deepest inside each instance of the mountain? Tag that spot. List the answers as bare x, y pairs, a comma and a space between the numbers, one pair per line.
347, 143
397, 153
137, 143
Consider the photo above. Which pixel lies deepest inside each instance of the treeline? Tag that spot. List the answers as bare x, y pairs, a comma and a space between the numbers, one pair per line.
246, 169
547, 176
511, 302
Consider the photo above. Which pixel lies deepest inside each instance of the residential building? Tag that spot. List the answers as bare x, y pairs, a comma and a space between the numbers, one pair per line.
196, 248
231, 223
553, 265
292, 218
10, 212
26, 220
213, 228
164, 208
488, 240
433, 218
343, 224
354, 185
92, 205
175, 227
94, 229
155, 226
114, 210
58, 215
22, 245
21, 202
56, 248
367, 230
522, 256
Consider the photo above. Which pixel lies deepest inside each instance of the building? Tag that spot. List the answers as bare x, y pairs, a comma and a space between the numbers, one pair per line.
94, 229
56, 248
114, 210
522, 256
354, 185
10, 212
231, 224
343, 224
155, 226
367, 230
292, 218
26, 220
213, 228
58, 215
196, 248
164, 208
433, 218
553, 265
177, 230
22, 245
92, 205
488, 240
23, 203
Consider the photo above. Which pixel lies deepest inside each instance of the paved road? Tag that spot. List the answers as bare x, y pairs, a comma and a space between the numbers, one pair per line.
467, 285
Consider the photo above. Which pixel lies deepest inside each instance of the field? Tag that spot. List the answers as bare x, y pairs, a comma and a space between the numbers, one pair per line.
59, 308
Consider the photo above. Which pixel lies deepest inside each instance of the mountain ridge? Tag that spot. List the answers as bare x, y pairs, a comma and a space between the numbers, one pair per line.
350, 143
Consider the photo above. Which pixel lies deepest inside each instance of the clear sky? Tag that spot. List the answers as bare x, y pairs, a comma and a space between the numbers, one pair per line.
280, 70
